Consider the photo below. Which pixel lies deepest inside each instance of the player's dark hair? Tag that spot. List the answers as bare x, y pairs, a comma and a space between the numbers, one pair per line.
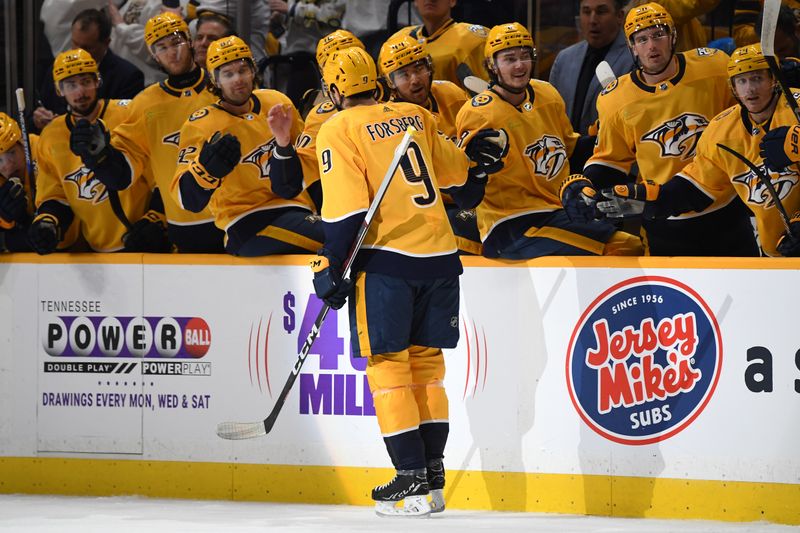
88, 17
363, 95
619, 5
210, 16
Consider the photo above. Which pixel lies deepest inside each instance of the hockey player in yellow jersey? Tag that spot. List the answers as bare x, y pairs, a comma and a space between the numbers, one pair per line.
654, 117
521, 215
67, 192
716, 176
404, 295
450, 43
16, 186
406, 66
148, 140
226, 153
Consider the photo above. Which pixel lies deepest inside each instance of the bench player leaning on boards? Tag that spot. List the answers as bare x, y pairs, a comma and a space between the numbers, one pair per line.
404, 300
16, 187
407, 69
69, 198
148, 140
226, 155
760, 119
520, 216
654, 117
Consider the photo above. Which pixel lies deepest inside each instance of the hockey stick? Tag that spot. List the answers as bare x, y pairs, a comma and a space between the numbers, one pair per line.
768, 26
249, 430
26, 141
604, 73
765, 181
469, 80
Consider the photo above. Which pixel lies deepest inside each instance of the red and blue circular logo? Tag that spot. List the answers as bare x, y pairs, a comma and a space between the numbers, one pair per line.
644, 360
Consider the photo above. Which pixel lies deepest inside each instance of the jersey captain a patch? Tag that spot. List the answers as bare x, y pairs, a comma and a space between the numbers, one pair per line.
678, 136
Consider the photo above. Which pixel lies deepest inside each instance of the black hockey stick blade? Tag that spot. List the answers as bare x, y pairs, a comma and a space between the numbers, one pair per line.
765, 181
473, 84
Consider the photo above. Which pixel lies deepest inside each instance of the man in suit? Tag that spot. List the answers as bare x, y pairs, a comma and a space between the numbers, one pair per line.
601, 27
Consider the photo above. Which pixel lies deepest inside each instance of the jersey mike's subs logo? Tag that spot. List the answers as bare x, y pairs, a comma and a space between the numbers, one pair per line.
643, 360
548, 156
678, 137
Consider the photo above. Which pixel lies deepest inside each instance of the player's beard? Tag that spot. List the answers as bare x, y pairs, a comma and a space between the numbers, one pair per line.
85, 108
238, 99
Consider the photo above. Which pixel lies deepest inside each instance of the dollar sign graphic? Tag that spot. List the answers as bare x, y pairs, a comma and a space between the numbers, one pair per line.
288, 307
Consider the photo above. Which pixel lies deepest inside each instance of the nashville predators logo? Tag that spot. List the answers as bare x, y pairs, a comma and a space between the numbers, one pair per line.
783, 182
172, 138
261, 157
678, 137
548, 156
89, 187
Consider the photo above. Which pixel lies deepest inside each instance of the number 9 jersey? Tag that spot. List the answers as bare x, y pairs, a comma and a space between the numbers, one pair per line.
410, 236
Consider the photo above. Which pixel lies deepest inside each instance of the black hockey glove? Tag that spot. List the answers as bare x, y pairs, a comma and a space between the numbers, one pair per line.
628, 199
328, 283
91, 142
579, 198
148, 235
486, 150
44, 234
12, 201
789, 243
220, 155
778, 145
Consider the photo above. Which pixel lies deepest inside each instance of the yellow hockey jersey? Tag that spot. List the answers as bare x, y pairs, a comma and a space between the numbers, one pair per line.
452, 44
150, 137
445, 101
721, 175
540, 142
658, 127
410, 235
63, 178
247, 188
306, 144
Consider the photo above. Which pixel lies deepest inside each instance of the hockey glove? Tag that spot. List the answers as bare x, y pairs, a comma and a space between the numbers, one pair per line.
328, 283
579, 198
789, 243
148, 235
12, 201
628, 199
90, 142
44, 234
486, 150
218, 157
780, 147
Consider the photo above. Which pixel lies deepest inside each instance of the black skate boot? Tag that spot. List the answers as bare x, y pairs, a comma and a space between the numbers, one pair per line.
410, 488
436, 484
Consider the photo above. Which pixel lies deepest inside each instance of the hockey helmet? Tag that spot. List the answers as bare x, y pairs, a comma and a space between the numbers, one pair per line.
72, 63
401, 51
10, 134
337, 40
163, 25
746, 59
351, 71
646, 16
225, 50
506, 36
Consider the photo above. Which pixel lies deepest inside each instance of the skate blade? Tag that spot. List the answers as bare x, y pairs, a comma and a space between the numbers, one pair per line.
437, 500
412, 507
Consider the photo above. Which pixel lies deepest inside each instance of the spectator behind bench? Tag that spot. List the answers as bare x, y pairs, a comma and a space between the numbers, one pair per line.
91, 31
573, 72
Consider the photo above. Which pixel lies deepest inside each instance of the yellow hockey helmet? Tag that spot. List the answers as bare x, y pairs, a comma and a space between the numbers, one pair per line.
401, 51
746, 59
351, 71
646, 16
10, 134
504, 36
162, 25
337, 40
223, 51
72, 63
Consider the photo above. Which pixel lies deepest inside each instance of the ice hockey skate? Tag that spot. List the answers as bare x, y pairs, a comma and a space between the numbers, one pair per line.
404, 496
436, 485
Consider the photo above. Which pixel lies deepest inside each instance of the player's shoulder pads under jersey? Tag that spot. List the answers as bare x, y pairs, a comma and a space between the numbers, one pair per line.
721, 116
